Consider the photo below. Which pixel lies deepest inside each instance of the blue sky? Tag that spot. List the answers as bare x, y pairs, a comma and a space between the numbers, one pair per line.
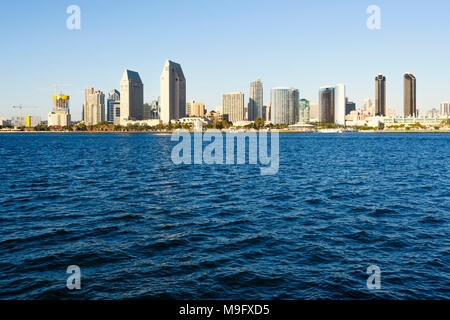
223, 46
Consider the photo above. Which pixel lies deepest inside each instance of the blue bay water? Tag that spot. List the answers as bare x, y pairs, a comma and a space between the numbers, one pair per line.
141, 227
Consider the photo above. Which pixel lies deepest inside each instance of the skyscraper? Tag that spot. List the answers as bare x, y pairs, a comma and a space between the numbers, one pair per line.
445, 108
284, 105
233, 106
94, 106
304, 111
410, 107
332, 104
131, 97
255, 104
111, 102
380, 95
173, 92
326, 105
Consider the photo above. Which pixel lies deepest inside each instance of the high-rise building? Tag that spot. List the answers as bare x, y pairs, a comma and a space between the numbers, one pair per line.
284, 104
332, 104
233, 106
173, 92
349, 106
410, 106
94, 106
255, 104
131, 97
445, 109
111, 102
304, 111
380, 95
326, 105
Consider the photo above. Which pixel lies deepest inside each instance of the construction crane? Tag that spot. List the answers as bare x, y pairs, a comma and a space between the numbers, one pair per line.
20, 107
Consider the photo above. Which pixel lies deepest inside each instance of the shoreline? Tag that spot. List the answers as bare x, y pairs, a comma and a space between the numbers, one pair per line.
280, 131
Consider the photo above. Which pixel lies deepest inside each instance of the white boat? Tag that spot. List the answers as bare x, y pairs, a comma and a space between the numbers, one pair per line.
338, 130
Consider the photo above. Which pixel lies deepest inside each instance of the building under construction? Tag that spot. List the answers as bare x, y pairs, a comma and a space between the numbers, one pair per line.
60, 116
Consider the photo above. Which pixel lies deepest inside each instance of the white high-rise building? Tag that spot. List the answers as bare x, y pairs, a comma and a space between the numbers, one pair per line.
445, 108
131, 97
332, 104
94, 106
233, 106
173, 92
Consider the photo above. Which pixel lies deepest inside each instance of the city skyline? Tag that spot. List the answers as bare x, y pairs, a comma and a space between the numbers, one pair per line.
306, 65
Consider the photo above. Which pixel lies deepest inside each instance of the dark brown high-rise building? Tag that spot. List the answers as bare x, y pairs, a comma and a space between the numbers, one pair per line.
410, 108
327, 105
380, 95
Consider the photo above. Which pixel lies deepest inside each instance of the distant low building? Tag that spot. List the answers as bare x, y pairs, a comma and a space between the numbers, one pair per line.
193, 120
216, 116
195, 109
5, 122
242, 123
32, 121
149, 122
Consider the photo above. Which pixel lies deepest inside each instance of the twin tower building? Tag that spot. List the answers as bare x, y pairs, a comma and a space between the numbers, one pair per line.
128, 105
172, 95
409, 95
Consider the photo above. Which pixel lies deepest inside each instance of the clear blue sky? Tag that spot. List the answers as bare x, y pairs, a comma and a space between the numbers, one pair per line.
223, 46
